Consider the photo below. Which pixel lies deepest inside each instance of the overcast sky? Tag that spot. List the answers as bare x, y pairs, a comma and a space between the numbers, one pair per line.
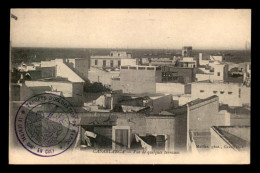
131, 28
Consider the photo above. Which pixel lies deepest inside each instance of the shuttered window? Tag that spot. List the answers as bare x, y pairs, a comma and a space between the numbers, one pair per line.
121, 138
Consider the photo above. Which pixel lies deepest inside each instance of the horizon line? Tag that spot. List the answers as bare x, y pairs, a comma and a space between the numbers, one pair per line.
129, 48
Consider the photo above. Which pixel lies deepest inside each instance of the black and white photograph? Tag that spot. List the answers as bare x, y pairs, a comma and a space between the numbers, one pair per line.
129, 86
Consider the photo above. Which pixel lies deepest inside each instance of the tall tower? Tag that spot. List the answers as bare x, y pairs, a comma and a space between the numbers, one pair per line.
186, 51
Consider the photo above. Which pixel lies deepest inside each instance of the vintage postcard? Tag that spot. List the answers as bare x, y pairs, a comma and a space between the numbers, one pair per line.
130, 86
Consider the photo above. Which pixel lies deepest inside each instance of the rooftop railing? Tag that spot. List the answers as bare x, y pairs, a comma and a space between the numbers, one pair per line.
154, 68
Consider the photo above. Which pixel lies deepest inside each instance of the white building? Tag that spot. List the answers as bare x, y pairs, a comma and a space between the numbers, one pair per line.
72, 91
79, 65
212, 59
128, 62
187, 62
214, 71
51, 63
111, 60
246, 95
65, 82
24, 67
228, 93
201, 61
62, 70
99, 75
173, 88
216, 58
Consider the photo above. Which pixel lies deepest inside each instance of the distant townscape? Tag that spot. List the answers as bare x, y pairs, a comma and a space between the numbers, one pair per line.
186, 102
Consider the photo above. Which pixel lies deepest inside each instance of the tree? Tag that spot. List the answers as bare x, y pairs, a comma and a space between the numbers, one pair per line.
97, 87
87, 86
118, 108
94, 87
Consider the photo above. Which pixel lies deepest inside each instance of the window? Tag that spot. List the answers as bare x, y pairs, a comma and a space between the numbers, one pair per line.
215, 92
120, 137
202, 91
164, 68
111, 63
218, 73
134, 68
124, 67
160, 141
96, 62
104, 63
221, 92
150, 68
141, 68
229, 92
119, 62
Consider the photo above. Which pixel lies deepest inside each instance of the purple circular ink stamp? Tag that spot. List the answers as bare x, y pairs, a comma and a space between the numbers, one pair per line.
46, 125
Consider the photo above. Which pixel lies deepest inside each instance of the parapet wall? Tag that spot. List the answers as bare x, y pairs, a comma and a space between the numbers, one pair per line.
173, 88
